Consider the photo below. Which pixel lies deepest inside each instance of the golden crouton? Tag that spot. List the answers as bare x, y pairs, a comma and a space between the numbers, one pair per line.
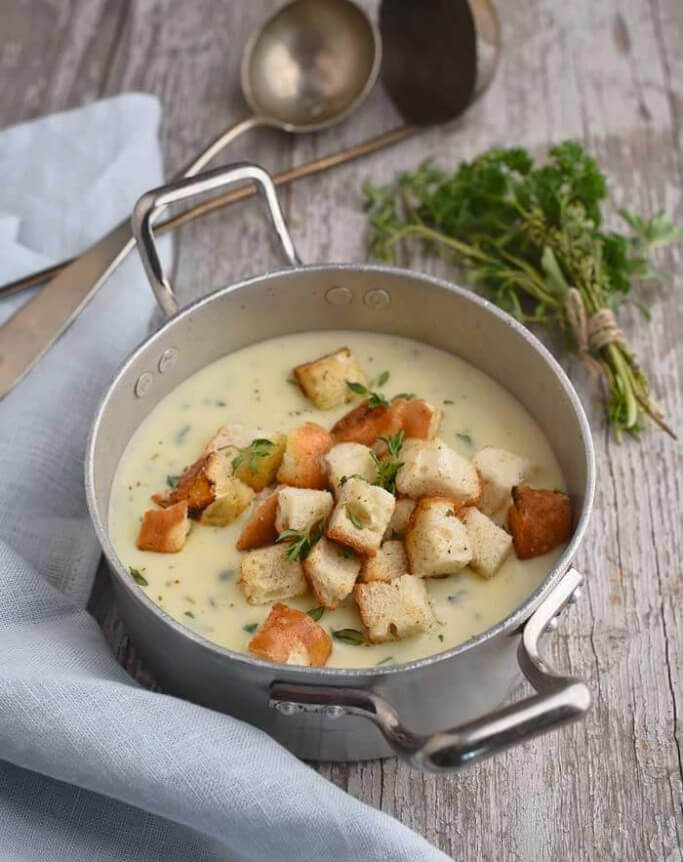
395, 609
490, 544
349, 459
164, 530
361, 516
267, 575
539, 520
300, 508
418, 417
365, 424
330, 572
213, 495
302, 465
401, 518
291, 637
432, 469
437, 542
259, 529
232, 498
391, 561
499, 470
325, 379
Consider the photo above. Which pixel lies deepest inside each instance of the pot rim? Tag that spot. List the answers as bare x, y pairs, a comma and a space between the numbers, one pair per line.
505, 626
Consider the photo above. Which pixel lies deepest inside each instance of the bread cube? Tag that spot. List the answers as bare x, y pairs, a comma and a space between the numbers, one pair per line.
300, 508
365, 424
419, 418
437, 541
302, 465
259, 530
330, 573
213, 495
401, 518
324, 380
433, 469
395, 609
267, 575
254, 454
539, 520
164, 530
490, 544
499, 470
361, 516
349, 459
232, 498
291, 637
391, 561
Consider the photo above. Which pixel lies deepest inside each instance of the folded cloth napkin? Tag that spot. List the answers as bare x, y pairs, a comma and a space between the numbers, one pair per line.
93, 767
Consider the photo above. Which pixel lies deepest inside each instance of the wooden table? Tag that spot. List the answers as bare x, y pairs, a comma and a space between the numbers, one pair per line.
608, 73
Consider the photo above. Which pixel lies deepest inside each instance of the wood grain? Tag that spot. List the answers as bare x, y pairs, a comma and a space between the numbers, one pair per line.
608, 73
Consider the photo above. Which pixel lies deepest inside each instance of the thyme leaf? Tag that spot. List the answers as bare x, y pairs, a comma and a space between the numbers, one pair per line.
138, 577
301, 541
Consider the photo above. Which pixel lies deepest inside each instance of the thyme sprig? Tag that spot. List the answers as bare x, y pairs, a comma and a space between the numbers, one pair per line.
257, 449
375, 399
389, 465
526, 232
301, 541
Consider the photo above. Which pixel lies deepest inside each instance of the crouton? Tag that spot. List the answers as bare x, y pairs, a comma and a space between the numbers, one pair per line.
330, 573
259, 529
395, 609
291, 637
391, 561
418, 417
164, 530
539, 520
490, 544
437, 542
300, 508
401, 518
433, 469
254, 454
361, 516
499, 470
349, 459
324, 380
267, 575
302, 465
207, 482
365, 424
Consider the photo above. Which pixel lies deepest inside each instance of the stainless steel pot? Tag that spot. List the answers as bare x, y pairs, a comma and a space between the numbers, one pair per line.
331, 713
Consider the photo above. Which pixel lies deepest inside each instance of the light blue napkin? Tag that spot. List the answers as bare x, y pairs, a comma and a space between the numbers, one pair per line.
93, 767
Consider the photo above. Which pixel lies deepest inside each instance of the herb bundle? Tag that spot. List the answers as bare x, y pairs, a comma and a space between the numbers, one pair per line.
301, 541
531, 238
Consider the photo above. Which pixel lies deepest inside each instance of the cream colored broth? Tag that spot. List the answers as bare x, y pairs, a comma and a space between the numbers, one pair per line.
199, 586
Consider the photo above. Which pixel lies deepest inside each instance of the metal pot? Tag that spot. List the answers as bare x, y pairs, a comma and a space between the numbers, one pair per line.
331, 713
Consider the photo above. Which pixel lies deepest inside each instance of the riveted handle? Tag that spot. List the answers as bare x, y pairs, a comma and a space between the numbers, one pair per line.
556, 701
157, 200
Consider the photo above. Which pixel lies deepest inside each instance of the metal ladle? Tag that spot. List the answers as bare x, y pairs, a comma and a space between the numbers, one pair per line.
309, 66
430, 80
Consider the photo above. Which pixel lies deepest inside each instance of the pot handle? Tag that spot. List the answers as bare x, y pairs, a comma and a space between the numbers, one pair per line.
152, 203
556, 701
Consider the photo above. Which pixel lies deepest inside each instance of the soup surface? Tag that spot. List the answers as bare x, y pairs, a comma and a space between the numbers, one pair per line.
199, 585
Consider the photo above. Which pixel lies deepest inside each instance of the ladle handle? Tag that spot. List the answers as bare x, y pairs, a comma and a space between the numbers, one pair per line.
220, 143
156, 201
556, 701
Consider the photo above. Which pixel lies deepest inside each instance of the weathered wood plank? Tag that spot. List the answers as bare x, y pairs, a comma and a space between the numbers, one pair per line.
610, 74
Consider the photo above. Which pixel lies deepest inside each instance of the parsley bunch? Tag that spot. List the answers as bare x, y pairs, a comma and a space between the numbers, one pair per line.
532, 238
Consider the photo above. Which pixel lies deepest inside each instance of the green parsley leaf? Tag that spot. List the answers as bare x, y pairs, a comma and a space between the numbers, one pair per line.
407, 396
349, 636
358, 388
382, 379
189, 614
316, 613
448, 401
465, 437
172, 481
250, 627
375, 399
138, 577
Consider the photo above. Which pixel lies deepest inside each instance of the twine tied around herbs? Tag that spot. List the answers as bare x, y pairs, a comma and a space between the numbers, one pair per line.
593, 332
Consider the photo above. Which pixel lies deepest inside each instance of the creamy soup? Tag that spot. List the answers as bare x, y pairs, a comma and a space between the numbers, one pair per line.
199, 585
